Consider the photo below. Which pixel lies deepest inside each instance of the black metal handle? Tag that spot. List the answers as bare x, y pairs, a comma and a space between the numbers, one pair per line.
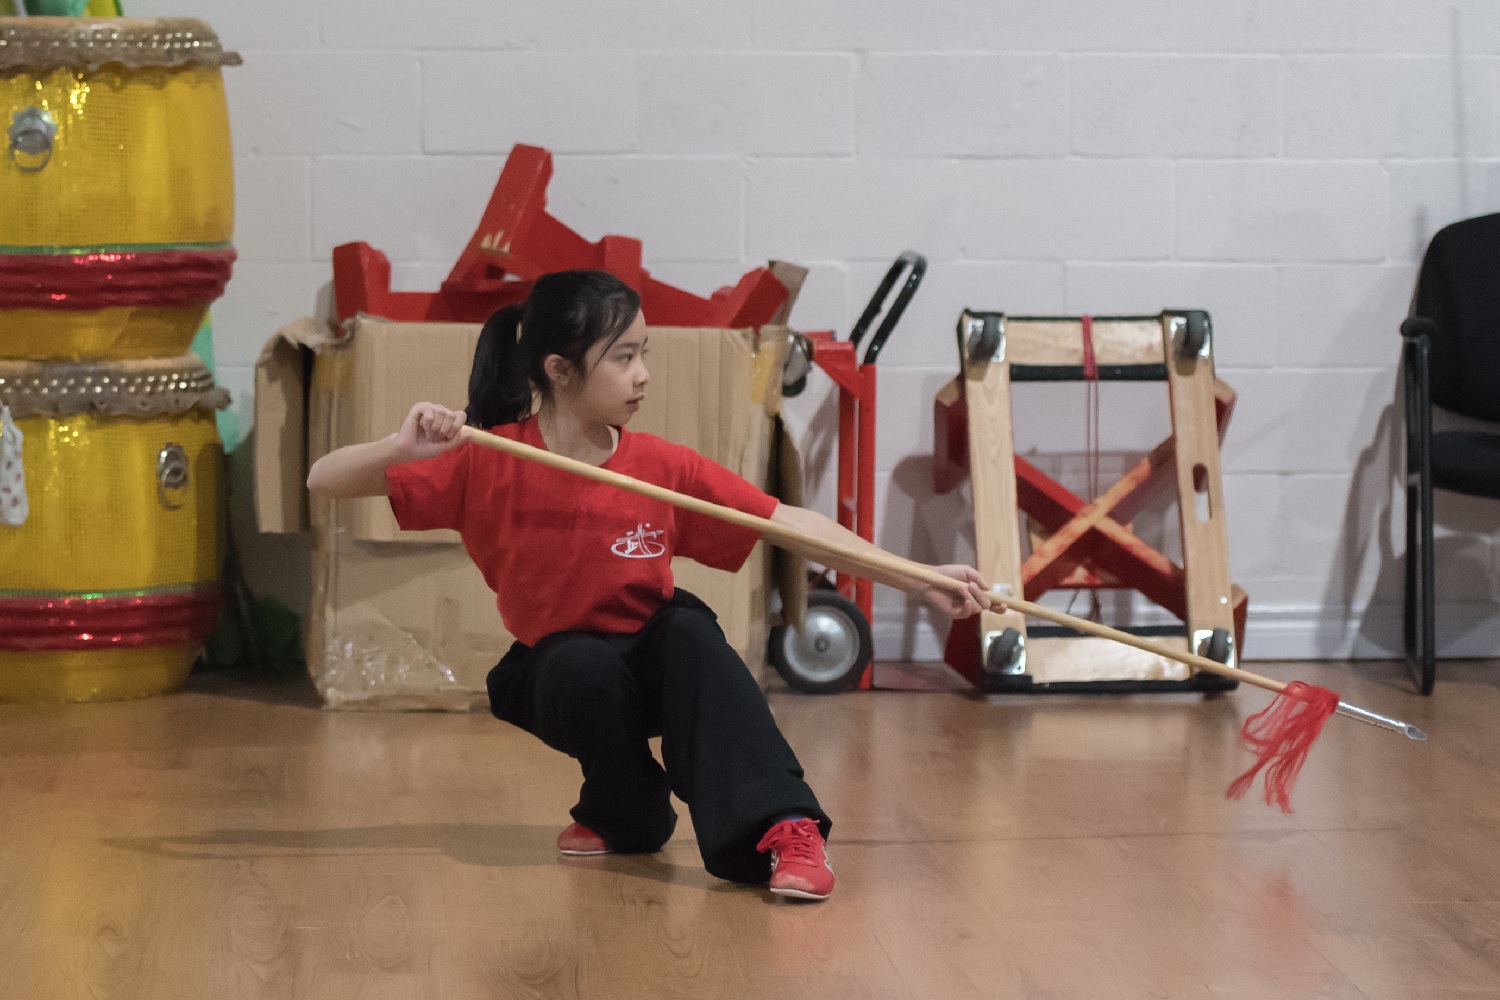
1416, 348
1417, 327
918, 265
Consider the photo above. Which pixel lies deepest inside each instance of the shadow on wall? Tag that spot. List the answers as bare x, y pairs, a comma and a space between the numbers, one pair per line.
817, 428
278, 566
1363, 600
275, 565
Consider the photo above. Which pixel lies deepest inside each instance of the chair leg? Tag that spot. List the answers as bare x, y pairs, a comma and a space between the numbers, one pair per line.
1410, 620
1420, 629
1429, 611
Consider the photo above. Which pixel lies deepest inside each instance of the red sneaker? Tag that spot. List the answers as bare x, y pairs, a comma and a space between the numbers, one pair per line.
579, 839
799, 865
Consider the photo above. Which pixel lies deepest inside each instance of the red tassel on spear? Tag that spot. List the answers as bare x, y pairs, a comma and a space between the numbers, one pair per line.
1280, 736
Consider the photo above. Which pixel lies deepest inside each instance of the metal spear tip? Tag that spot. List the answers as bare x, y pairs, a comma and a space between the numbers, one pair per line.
1413, 733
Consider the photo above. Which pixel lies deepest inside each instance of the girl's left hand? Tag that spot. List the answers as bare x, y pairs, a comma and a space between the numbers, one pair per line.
956, 604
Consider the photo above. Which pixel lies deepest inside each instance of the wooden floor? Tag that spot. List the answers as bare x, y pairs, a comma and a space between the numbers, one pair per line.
231, 843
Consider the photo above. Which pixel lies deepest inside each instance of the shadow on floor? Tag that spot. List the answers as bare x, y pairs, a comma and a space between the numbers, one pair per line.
484, 845
297, 692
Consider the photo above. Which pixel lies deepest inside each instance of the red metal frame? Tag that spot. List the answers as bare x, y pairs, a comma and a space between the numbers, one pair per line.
1090, 544
516, 242
856, 480
856, 381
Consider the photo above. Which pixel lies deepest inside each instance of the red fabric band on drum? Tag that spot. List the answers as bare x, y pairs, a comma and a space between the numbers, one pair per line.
101, 280
36, 623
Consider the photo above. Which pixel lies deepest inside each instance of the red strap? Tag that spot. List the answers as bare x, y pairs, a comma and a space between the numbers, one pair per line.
1090, 363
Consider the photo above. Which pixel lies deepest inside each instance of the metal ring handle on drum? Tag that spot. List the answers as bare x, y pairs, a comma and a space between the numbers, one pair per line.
31, 133
171, 473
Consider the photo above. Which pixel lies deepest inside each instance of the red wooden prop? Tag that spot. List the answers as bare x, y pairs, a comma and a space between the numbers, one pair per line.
516, 242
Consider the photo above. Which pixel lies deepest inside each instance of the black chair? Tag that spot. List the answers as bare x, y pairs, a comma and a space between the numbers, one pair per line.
1450, 357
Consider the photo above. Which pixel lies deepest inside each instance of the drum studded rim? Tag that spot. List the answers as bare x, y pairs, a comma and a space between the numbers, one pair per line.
42, 43
116, 388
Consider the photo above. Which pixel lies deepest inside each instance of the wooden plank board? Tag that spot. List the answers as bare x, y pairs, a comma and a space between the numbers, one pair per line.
1200, 489
997, 528
1060, 342
248, 846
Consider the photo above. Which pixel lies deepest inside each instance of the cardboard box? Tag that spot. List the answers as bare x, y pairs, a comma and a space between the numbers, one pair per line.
404, 619
282, 375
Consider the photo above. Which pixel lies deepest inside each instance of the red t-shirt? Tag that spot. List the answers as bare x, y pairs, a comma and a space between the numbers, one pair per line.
564, 553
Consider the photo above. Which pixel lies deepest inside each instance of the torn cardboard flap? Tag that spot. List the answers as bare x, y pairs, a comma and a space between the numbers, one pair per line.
281, 459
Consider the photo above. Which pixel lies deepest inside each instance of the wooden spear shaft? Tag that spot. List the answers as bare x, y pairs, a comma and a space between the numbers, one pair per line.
885, 561
877, 560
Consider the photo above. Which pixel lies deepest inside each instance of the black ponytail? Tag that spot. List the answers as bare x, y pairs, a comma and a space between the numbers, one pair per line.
566, 314
498, 390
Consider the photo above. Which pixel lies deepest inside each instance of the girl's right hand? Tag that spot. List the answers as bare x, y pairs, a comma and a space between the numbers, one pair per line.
430, 430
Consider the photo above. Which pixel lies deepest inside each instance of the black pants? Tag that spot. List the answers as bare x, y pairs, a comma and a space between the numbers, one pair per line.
598, 698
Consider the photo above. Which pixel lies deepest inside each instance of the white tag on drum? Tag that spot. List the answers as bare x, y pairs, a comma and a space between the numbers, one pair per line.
13, 504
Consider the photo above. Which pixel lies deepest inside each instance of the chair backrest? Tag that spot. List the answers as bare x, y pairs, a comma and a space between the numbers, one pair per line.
1459, 290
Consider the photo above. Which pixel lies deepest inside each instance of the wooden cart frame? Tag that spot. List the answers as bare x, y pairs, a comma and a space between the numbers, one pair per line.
1078, 544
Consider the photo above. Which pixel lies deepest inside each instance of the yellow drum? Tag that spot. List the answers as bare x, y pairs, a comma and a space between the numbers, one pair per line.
110, 539
116, 185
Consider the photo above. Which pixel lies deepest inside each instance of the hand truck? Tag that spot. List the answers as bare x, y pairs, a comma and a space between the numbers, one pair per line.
834, 648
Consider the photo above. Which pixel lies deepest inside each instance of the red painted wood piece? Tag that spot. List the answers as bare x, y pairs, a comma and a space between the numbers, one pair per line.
517, 241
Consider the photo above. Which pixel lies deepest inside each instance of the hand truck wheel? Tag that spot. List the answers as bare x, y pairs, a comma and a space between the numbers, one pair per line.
831, 651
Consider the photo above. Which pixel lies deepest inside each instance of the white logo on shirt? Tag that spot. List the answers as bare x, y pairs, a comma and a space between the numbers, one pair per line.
640, 544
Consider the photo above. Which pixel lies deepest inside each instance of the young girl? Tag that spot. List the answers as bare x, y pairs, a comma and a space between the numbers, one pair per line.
607, 652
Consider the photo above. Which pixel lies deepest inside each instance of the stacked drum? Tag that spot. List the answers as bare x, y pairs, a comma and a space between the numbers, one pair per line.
116, 214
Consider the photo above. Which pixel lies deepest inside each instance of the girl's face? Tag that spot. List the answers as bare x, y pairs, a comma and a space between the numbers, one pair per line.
615, 382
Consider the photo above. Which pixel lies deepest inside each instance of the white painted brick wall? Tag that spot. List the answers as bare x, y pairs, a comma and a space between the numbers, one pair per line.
758, 104
1014, 104
1427, 194
1067, 209
852, 208
326, 102
1282, 210
532, 25
574, 102
414, 208
1308, 420
1195, 106
1397, 106
1341, 315
279, 227
1278, 162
